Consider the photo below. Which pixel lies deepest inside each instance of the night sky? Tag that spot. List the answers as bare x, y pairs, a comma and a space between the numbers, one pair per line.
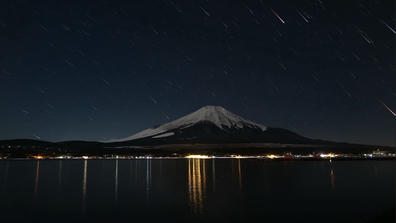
96, 70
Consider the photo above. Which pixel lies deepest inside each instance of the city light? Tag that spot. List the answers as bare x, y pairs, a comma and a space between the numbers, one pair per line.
272, 156
238, 156
375, 154
197, 157
327, 155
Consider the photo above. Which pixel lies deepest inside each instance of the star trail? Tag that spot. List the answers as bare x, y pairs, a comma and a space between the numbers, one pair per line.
97, 70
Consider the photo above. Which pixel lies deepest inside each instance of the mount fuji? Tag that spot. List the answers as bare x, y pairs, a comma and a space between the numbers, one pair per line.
212, 124
209, 130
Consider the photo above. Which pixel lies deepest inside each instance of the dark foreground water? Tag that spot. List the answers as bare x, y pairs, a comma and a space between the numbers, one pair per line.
213, 190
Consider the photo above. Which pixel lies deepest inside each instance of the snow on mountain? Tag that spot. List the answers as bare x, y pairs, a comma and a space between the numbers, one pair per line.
217, 115
163, 135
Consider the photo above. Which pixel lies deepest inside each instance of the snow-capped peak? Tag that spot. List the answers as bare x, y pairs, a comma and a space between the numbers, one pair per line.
217, 115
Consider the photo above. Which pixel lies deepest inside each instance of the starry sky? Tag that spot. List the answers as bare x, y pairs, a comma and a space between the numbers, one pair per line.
96, 70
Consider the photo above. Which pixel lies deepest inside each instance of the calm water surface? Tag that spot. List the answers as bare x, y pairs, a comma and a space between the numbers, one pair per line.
194, 190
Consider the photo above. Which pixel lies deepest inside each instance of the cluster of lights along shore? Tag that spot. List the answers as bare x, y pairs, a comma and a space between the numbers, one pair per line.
376, 154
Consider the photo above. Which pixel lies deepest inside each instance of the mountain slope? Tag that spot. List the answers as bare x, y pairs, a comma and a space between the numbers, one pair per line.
211, 124
216, 115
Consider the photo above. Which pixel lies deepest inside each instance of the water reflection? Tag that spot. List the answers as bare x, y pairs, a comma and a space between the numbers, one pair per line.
36, 181
239, 174
116, 181
5, 176
130, 168
84, 186
196, 184
60, 173
148, 179
332, 178
214, 174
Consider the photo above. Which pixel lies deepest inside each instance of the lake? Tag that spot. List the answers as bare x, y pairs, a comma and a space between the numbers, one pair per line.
197, 190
